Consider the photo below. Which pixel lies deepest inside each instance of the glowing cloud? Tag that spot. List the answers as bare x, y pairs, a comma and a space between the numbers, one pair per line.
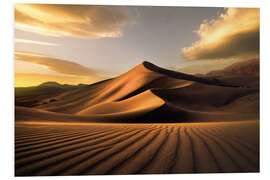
57, 65
234, 34
72, 20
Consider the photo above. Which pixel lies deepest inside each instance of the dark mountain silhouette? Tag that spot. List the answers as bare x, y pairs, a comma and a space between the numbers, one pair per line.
30, 96
244, 68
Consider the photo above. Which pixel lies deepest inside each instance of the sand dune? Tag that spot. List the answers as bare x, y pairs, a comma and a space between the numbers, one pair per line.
133, 82
184, 95
148, 120
151, 94
73, 149
108, 91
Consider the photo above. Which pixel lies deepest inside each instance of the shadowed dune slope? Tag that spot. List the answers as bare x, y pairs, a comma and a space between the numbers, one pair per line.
203, 97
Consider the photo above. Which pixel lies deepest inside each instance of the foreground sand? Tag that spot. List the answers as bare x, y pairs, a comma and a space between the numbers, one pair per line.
96, 148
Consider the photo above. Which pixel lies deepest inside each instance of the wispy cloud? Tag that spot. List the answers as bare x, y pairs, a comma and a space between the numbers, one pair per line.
17, 40
234, 34
57, 65
73, 20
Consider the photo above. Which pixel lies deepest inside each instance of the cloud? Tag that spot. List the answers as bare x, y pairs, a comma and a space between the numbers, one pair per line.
34, 42
57, 65
236, 33
73, 20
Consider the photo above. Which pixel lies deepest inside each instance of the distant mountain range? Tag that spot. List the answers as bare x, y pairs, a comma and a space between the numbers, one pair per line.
244, 68
30, 96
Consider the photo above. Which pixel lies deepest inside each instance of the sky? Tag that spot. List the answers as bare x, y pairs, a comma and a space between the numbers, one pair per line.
73, 44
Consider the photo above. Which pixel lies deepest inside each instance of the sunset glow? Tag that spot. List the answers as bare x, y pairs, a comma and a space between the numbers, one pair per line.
91, 43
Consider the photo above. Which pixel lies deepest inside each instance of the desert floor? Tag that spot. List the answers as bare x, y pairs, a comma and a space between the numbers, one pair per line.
96, 148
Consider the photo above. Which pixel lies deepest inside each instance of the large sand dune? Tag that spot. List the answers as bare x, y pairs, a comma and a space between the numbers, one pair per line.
133, 82
148, 120
137, 92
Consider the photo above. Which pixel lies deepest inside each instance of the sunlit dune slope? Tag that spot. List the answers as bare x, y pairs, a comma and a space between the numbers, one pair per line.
133, 82
139, 104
